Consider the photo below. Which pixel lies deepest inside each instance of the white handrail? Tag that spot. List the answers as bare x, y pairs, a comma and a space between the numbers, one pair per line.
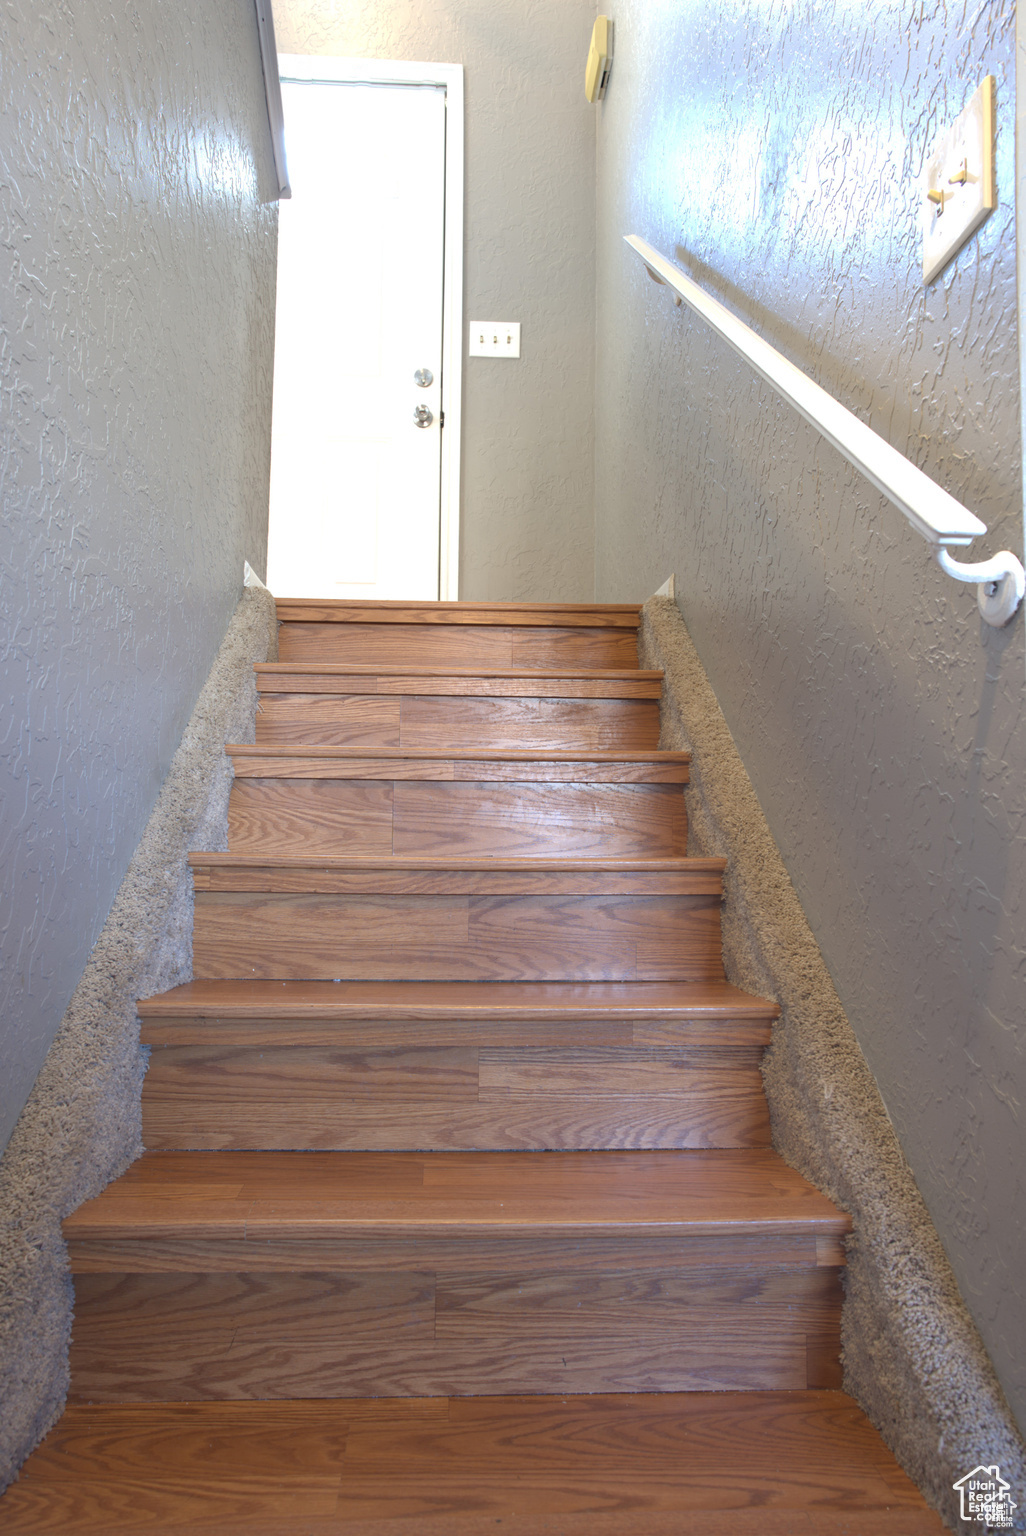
931, 511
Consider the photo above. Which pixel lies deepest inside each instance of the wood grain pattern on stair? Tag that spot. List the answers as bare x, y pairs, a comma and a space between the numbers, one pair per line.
476, 1253
697, 1464
458, 645
274, 1092
218, 1366
366, 817
476, 937
342, 679
437, 876
217, 1072
649, 1003
542, 724
576, 819
304, 719
732, 1118
578, 723
401, 611
283, 816
350, 1033
311, 1335
321, 1195
251, 1074
299, 1307
325, 762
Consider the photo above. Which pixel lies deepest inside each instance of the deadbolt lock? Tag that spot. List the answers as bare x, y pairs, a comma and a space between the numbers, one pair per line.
424, 377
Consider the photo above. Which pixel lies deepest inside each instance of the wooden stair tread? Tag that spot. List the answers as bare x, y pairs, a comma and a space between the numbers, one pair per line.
323, 1195
432, 1000
395, 611
661, 1464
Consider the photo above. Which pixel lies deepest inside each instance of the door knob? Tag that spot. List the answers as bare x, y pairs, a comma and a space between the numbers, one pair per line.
422, 416
424, 377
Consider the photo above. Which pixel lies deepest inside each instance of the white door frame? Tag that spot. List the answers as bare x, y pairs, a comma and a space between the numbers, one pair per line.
314, 67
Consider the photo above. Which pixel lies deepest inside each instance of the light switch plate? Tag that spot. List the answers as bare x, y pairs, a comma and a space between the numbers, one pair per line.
494, 338
959, 187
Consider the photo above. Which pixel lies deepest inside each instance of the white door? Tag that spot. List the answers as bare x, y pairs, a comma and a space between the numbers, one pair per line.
355, 488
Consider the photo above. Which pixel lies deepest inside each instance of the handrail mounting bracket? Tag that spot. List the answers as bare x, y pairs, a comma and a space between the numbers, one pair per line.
1001, 583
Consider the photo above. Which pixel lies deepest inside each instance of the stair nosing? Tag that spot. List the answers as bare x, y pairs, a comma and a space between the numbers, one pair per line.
457, 754
284, 1229
747, 1005
572, 864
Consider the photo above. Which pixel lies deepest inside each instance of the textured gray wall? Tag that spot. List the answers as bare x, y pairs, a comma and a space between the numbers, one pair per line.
772, 150
137, 248
526, 530
82, 1124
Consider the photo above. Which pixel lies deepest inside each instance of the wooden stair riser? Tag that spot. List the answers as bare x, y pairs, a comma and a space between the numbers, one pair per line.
376, 817
486, 722
448, 1079
458, 645
488, 1090
271, 1334
423, 1250
605, 937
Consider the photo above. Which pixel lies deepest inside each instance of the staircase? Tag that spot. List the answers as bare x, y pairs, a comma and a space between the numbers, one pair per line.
459, 1121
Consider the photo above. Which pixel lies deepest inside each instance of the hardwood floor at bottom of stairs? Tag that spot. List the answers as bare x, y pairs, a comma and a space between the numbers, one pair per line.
719, 1464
